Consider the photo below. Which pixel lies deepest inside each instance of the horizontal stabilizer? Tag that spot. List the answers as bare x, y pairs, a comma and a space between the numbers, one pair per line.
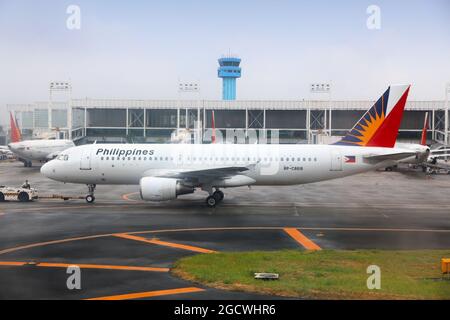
389, 156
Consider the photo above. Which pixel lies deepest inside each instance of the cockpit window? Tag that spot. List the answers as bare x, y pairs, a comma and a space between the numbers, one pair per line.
63, 157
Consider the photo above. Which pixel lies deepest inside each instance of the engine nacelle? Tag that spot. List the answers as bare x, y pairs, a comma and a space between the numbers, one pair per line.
162, 189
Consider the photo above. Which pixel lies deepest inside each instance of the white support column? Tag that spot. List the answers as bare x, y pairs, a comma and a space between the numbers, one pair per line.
246, 124
308, 121
49, 110
70, 116
85, 120
145, 122
446, 131
433, 133
329, 119
127, 117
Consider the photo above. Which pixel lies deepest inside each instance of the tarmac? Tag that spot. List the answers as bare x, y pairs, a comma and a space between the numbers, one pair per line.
126, 247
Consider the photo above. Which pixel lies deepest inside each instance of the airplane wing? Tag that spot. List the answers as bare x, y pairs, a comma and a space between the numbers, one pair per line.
437, 151
52, 155
389, 156
437, 166
439, 155
201, 175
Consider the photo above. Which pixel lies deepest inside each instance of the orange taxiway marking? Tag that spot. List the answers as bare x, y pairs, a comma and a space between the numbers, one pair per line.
82, 266
150, 294
12, 263
127, 197
302, 239
164, 243
161, 231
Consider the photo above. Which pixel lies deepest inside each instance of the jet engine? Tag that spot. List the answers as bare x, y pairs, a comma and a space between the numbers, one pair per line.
162, 189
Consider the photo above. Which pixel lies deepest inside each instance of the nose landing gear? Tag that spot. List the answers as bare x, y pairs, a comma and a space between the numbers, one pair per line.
90, 198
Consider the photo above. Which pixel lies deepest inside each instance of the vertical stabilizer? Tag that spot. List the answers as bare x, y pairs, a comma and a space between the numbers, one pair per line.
379, 126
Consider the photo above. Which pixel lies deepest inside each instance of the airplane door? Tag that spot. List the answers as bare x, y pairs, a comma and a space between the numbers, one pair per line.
85, 162
336, 161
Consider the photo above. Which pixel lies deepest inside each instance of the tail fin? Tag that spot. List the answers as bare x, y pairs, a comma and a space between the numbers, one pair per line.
16, 136
379, 126
213, 125
423, 139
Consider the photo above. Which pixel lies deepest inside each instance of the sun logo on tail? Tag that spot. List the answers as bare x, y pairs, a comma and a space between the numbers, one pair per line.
368, 125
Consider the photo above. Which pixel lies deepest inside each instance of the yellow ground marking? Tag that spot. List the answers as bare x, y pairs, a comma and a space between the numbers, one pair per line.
302, 239
164, 243
150, 294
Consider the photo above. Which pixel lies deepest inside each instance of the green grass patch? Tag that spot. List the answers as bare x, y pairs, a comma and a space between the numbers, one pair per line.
325, 274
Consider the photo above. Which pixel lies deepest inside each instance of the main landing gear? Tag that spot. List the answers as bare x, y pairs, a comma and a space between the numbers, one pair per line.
27, 163
90, 198
215, 198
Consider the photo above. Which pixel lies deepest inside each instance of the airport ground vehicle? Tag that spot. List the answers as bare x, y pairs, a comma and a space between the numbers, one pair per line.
17, 194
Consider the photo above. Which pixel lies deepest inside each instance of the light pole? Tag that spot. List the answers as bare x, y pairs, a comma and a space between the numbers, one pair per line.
323, 88
193, 87
60, 86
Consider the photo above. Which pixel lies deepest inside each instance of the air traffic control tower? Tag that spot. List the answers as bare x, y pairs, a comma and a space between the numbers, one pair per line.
229, 70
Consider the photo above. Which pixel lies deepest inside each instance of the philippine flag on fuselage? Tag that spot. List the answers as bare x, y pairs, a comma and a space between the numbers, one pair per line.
350, 159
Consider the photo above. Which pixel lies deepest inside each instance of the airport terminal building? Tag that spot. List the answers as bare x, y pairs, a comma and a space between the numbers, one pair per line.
154, 121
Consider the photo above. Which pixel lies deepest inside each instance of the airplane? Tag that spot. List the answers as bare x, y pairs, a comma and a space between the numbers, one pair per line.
35, 150
164, 172
422, 151
425, 157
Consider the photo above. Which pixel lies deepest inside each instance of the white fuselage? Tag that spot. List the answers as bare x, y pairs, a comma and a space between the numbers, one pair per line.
39, 150
421, 156
268, 164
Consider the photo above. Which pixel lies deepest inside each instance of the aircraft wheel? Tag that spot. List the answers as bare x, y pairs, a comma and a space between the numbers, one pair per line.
23, 197
218, 195
90, 199
211, 201
389, 169
2, 197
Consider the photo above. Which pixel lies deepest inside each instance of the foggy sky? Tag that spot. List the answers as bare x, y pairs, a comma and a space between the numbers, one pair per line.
139, 49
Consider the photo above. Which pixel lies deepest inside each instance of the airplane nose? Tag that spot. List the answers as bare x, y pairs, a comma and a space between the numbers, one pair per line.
47, 170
